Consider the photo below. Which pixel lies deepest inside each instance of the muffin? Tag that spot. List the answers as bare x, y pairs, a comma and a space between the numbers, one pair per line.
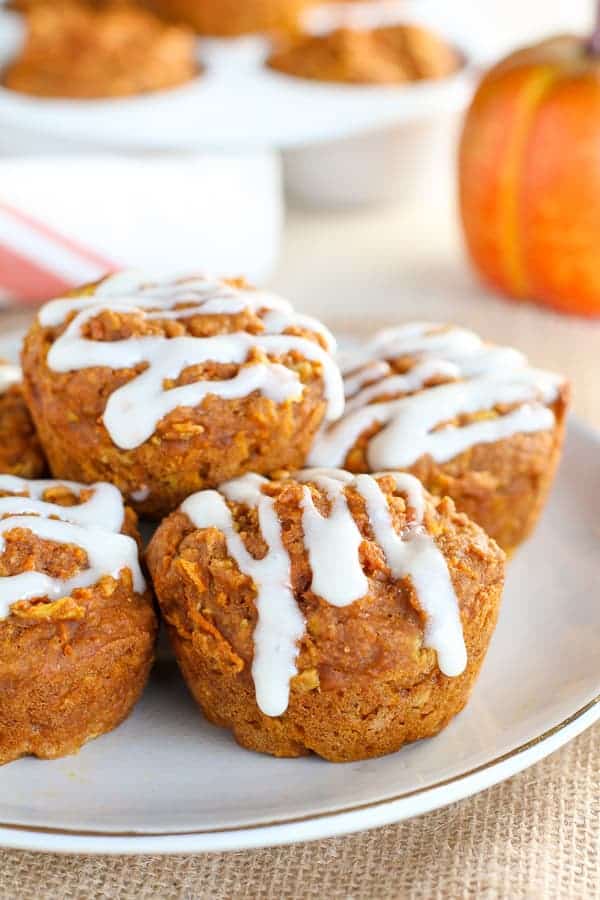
77, 626
79, 51
389, 55
20, 451
230, 18
166, 389
470, 419
326, 613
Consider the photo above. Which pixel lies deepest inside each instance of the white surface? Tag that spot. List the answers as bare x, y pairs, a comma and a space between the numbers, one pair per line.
149, 212
166, 781
513, 23
236, 102
394, 165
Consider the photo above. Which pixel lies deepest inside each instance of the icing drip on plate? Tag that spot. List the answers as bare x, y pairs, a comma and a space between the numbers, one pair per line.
9, 375
413, 554
477, 377
134, 410
93, 525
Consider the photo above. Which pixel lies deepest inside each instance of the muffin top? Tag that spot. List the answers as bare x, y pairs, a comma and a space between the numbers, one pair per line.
426, 389
391, 54
57, 538
325, 575
79, 50
20, 450
231, 18
166, 345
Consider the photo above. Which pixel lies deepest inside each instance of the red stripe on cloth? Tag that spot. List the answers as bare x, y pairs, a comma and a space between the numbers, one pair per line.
59, 238
25, 280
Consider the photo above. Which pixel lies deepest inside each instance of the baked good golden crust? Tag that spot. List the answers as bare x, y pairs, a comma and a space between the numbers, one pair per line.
502, 486
229, 18
365, 682
195, 445
388, 55
114, 50
502, 480
71, 668
20, 450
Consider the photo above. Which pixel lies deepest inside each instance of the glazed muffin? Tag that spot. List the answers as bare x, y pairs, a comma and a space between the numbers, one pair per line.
166, 389
78, 51
470, 419
77, 626
20, 450
389, 55
326, 613
229, 18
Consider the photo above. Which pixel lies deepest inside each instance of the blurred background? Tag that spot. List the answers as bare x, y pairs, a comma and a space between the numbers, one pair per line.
303, 148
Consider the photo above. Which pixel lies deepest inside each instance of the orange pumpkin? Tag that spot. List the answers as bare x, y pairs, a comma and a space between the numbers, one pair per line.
529, 175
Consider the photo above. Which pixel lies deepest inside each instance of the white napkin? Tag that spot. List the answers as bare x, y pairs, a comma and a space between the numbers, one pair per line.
65, 220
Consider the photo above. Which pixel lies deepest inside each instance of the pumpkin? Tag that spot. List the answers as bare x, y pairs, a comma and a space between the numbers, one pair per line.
529, 175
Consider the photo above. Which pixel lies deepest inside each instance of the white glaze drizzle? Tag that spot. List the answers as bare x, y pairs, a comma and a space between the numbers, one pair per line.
483, 376
416, 556
413, 380
330, 537
134, 410
370, 372
142, 493
280, 625
93, 525
104, 508
9, 375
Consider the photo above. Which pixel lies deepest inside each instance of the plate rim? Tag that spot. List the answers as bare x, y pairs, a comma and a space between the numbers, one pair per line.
311, 827
315, 826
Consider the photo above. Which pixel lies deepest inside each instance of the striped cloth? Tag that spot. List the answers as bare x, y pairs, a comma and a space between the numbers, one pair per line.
38, 261
67, 220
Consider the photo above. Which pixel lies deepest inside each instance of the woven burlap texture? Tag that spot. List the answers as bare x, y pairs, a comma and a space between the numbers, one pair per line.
535, 836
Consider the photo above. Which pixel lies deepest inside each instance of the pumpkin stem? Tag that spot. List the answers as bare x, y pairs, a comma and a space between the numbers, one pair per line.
594, 41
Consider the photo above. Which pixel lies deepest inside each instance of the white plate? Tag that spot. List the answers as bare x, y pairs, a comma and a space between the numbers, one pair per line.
168, 782
237, 102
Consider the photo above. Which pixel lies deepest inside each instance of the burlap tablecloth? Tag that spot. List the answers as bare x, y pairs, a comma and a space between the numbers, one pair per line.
535, 836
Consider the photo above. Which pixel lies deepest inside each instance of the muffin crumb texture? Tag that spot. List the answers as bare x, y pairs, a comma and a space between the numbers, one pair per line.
84, 51
20, 450
392, 599
393, 54
77, 625
472, 420
230, 18
165, 389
